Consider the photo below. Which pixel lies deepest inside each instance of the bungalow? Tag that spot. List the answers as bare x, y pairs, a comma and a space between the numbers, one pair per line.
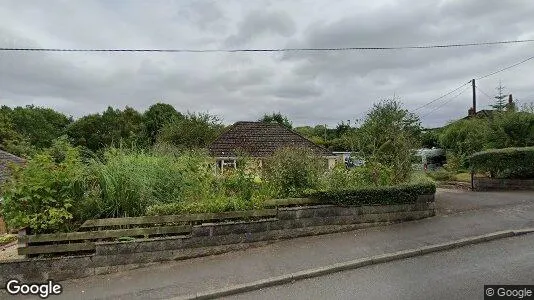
260, 140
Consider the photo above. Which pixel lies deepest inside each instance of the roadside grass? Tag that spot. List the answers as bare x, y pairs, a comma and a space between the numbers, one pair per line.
463, 177
7, 238
421, 177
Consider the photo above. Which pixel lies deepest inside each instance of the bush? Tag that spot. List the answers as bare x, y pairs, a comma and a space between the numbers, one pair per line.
127, 181
465, 137
291, 171
370, 174
441, 175
455, 163
45, 194
387, 136
386, 195
214, 205
511, 129
505, 163
193, 131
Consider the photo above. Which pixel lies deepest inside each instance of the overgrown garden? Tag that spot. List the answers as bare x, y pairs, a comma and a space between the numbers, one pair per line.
67, 183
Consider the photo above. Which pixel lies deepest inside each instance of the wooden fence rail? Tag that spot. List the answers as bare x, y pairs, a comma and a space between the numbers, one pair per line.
108, 222
99, 229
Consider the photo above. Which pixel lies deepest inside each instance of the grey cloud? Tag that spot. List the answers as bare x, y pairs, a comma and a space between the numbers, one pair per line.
310, 87
258, 23
205, 14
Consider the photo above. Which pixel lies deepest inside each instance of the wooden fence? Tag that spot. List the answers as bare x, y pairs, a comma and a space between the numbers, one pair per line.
96, 230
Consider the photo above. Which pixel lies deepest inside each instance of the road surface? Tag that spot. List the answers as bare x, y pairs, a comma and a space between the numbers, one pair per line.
455, 274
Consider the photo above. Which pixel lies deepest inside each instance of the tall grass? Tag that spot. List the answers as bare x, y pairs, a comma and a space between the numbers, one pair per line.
128, 181
166, 181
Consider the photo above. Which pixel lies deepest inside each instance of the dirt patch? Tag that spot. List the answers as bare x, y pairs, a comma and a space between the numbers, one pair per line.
9, 252
466, 186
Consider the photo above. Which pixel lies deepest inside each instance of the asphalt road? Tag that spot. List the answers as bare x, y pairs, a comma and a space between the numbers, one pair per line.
455, 274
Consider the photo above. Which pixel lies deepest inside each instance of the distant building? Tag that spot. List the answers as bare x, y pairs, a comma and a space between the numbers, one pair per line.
5, 160
488, 113
260, 140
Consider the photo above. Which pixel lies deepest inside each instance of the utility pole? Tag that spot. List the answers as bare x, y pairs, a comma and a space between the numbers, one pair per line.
474, 97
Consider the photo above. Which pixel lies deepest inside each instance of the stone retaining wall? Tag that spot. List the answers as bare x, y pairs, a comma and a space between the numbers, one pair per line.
215, 238
487, 184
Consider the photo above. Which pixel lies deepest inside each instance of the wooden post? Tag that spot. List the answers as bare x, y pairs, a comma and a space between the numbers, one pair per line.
474, 97
22, 232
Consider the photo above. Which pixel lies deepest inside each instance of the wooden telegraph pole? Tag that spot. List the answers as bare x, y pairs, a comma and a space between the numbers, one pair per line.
474, 97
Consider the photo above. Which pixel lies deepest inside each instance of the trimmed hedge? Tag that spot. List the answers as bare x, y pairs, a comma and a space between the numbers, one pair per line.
388, 195
505, 163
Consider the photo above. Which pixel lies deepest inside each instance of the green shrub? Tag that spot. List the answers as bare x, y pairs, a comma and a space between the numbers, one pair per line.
465, 137
511, 129
127, 182
387, 136
420, 177
455, 163
45, 194
464, 177
385, 195
370, 174
290, 171
505, 163
7, 238
441, 175
213, 205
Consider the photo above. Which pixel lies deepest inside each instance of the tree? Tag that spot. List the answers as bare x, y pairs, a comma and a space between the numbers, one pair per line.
306, 131
500, 103
430, 138
40, 126
511, 129
156, 117
388, 135
277, 118
88, 132
195, 130
12, 141
112, 127
341, 129
465, 137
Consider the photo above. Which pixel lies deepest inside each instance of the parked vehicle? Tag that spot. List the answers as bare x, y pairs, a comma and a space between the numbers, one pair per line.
429, 159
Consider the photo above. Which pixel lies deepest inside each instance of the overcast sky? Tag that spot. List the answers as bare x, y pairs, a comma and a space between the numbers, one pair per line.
310, 88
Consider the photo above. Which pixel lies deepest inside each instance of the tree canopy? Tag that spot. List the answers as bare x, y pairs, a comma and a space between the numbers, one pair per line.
277, 118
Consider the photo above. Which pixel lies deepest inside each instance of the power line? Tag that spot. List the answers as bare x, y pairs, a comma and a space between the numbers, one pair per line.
481, 77
441, 97
484, 93
436, 46
445, 103
506, 68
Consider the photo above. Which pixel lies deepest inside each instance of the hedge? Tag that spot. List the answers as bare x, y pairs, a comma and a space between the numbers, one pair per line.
505, 163
400, 194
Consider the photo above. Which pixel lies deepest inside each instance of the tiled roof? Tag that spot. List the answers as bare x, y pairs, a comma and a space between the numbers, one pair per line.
5, 160
259, 139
